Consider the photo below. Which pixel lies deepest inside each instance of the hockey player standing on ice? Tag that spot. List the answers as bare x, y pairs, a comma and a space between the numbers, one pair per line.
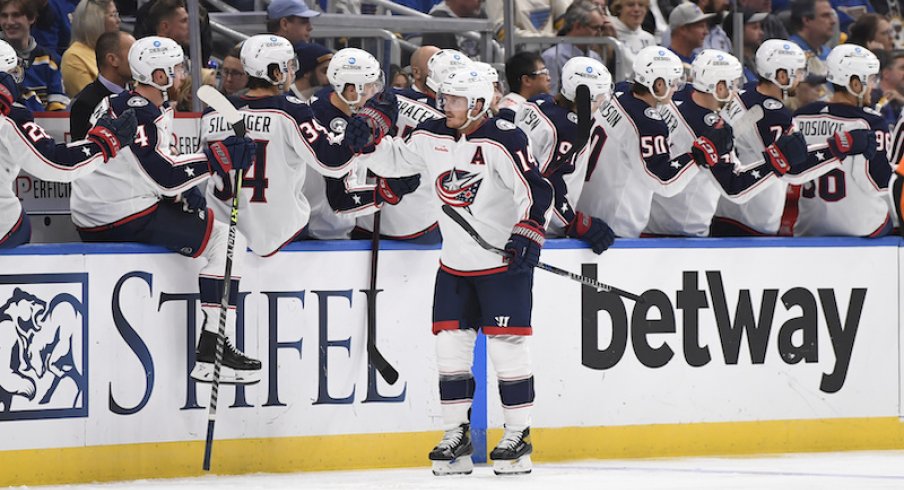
484, 168
851, 200
415, 218
124, 201
551, 124
289, 140
774, 153
629, 160
716, 78
26, 146
355, 77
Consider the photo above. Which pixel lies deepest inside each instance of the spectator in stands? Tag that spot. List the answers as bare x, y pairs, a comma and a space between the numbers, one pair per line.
527, 76
753, 37
890, 96
687, 24
290, 19
872, 31
773, 28
582, 19
398, 78
627, 20
313, 60
53, 28
850, 10
169, 18
42, 73
233, 79
453, 9
91, 19
716, 38
112, 59
184, 94
532, 17
813, 23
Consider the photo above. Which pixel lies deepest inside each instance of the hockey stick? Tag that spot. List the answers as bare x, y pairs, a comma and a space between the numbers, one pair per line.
587, 281
747, 133
373, 354
218, 102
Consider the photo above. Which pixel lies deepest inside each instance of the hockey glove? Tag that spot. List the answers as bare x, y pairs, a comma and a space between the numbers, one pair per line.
374, 121
391, 191
233, 153
592, 230
789, 149
710, 146
112, 133
524, 246
193, 199
9, 92
857, 142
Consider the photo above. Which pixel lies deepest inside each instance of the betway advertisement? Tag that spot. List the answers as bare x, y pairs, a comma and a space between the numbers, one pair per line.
95, 348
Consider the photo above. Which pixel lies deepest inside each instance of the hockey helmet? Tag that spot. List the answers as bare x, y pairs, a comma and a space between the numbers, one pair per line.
472, 86
777, 54
655, 62
582, 70
847, 61
10, 62
444, 62
261, 52
154, 53
359, 68
712, 67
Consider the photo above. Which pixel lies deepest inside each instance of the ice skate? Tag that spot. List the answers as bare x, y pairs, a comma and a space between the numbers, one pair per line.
236, 367
452, 456
512, 455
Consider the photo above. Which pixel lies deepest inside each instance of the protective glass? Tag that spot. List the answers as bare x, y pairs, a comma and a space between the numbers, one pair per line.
373, 88
446, 102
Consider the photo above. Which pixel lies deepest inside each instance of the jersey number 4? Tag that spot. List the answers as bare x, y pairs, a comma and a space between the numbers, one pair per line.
255, 178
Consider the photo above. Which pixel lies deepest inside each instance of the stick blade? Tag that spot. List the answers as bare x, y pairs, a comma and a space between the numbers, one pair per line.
218, 102
582, 103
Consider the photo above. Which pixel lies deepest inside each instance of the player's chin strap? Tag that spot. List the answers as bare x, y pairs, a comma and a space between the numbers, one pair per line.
470, 119
860, 96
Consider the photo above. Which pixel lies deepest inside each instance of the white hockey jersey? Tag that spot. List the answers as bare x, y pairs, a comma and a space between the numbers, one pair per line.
851, 200
26, 146
628, 162
489, 176
290, 140
415, 214
134, 181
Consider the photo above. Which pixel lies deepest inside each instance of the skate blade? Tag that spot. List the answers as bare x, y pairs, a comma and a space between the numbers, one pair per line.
459, 466
203, 372
520, 466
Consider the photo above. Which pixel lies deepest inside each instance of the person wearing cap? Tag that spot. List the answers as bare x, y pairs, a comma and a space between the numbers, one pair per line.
313, 60
753, 37
688, 27
290, 19
627, 17
813, 23
773, 28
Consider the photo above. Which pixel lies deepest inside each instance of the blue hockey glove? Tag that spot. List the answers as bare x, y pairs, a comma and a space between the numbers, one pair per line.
710, 146
233, 153
193, 199
112, 133
524, 245
9, 92
789, 149
592, 230
374, 121
857, 142
391, 190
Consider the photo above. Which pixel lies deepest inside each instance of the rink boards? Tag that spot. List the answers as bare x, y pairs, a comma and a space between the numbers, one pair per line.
742, 346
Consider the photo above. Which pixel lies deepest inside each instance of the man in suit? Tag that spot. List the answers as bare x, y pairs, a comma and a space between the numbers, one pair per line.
112, 53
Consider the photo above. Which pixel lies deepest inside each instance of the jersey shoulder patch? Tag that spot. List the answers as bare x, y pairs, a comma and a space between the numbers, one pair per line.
504, 125
652, 113
294, 100
772, 104
137, 101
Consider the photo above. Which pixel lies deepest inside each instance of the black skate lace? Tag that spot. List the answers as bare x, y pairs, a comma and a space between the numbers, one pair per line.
451, 437
510, 439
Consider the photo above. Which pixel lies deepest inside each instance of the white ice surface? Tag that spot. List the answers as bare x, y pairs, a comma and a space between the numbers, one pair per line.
820, 471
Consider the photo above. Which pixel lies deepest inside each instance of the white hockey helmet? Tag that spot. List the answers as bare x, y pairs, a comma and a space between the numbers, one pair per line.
486, 70
582, 70
10, 62
359, 68
655, 62
150, 54
471, 85
444, 62
261, 52
712, 67
847, 61
777, 54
